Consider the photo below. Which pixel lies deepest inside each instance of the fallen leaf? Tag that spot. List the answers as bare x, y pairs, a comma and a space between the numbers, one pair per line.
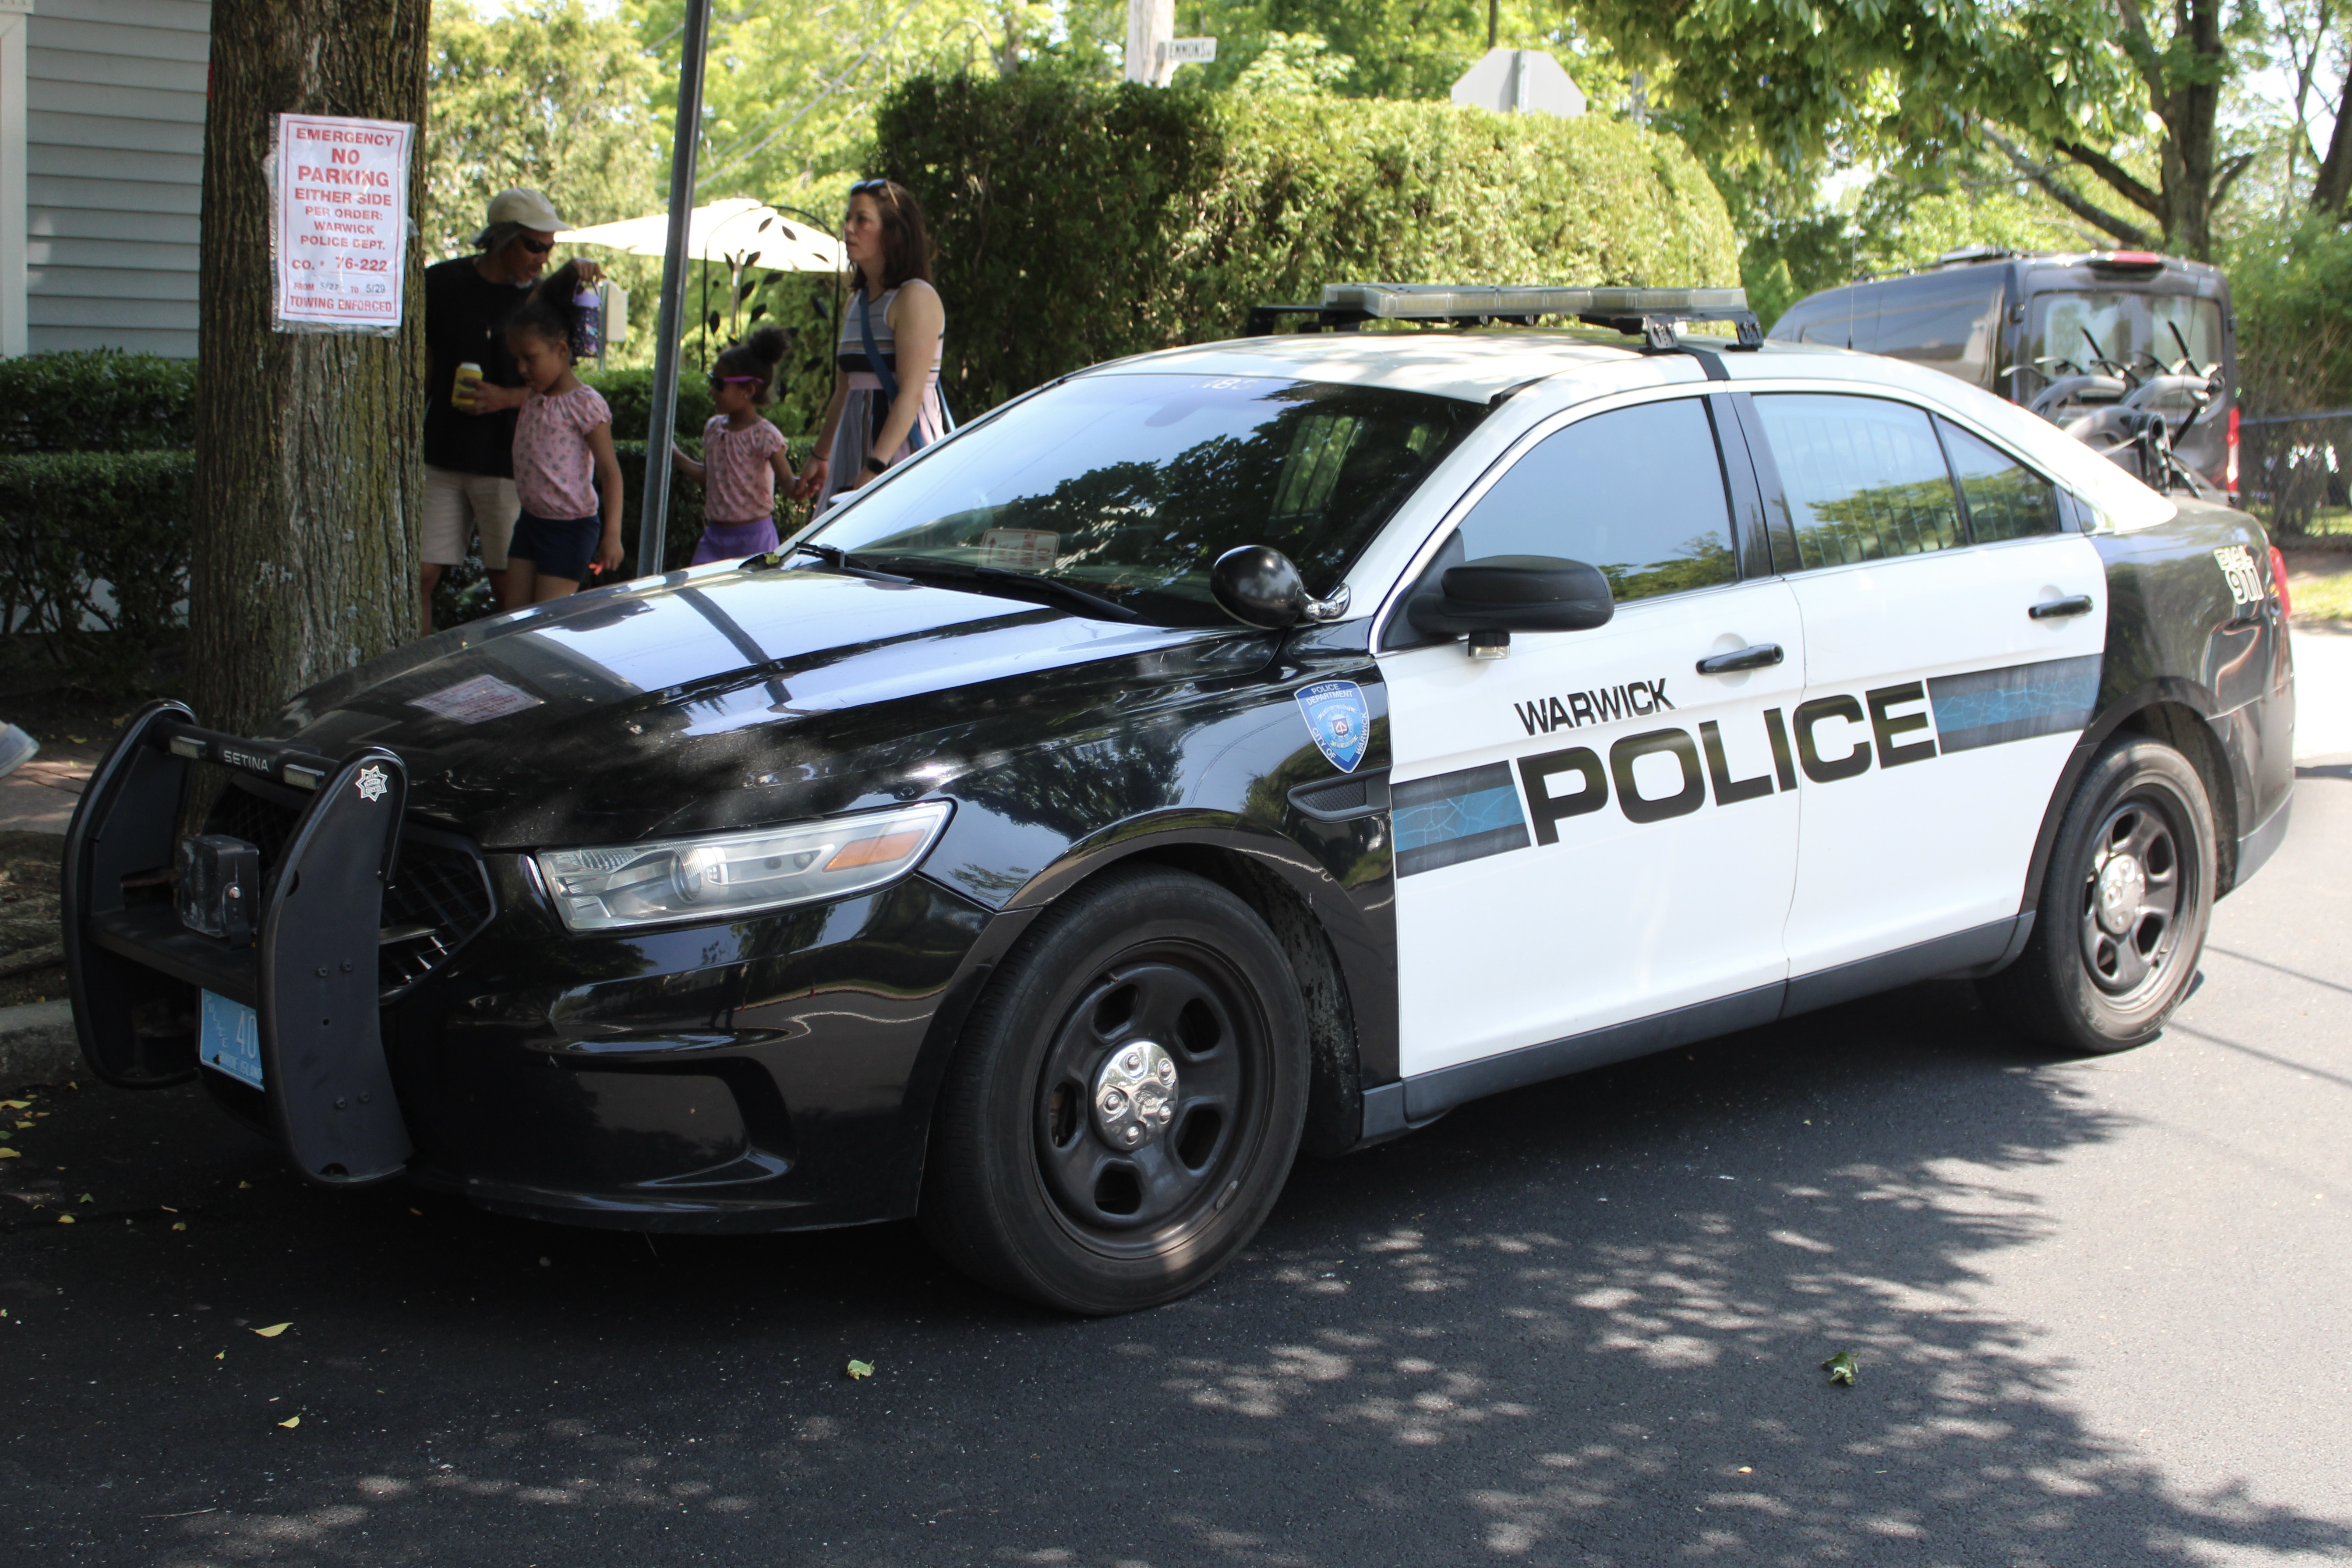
418, 1213
220, 1356
23, 1123
179, 1225
858, 1369
291, 1421
88, 1199
273, 1331
1747, 1469
1841, 1368
15, 1105
242, 1185
65, 1219
10, 1155
167, 1209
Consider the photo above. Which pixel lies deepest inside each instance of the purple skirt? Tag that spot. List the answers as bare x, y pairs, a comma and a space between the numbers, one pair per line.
734, 540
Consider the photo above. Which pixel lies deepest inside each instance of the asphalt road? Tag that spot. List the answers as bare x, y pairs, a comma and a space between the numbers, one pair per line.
2099, 1308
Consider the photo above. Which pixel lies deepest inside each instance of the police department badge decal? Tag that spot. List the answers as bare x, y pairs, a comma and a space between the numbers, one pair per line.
370, 784
1337, 717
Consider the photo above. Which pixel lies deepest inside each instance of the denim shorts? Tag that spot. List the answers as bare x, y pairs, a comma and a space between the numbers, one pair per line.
556, 546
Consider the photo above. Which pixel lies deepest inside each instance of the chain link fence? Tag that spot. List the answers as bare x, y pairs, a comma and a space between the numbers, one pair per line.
2293, 471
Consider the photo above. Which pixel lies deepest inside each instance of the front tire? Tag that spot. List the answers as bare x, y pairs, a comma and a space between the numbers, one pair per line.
2123, 908
1125, 1101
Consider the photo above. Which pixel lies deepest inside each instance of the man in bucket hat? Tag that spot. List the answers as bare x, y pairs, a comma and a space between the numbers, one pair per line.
469, 430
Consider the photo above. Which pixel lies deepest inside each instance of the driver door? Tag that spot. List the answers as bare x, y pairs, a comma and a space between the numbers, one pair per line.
1590, 831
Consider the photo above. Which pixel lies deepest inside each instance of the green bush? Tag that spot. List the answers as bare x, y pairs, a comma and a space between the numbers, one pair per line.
70, 521
97, 400
2288, 285
1077, 222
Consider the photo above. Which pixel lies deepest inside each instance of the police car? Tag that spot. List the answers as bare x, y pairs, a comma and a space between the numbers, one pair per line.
1263, 745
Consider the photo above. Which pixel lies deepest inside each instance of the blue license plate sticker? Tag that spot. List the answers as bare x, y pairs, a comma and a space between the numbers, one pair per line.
228, 1039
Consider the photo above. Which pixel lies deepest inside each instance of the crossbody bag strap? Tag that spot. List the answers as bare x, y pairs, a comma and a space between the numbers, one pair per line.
881, 372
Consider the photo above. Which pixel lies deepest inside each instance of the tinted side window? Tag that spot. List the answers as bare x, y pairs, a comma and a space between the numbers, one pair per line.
1943, 319
1638, 492
2006, 498
1864, 478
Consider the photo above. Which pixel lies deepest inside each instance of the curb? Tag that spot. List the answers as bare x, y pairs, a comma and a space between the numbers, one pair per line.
38, 1044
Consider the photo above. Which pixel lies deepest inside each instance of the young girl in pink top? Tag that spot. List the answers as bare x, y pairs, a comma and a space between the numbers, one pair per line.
566, 472
743, 458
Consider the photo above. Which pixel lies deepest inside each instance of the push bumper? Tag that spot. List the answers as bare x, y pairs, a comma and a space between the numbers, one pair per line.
311, 975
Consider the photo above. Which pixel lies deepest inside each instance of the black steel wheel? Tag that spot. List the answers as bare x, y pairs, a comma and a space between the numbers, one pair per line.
1125, 1101
2124, 906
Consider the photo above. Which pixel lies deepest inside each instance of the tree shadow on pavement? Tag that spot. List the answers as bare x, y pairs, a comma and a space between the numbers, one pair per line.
1578, 1324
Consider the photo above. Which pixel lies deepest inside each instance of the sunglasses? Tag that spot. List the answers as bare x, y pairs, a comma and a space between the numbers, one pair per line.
717, 380
536, 247
869, 187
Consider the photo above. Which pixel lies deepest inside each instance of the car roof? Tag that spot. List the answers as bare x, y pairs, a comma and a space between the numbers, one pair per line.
1472, 366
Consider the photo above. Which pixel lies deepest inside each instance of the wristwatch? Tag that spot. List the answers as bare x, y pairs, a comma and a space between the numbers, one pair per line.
875, 465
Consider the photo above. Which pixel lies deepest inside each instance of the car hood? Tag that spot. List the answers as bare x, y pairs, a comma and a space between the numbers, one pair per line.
736, 698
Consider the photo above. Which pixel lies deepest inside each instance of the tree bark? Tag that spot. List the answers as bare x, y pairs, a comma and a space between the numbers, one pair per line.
310, 481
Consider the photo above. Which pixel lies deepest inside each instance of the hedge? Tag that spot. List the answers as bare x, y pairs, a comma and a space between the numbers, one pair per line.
1077, 222
97, 400
70, 520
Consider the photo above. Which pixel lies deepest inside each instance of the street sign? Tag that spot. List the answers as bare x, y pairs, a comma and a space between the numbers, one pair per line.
1188, 51
1520, 81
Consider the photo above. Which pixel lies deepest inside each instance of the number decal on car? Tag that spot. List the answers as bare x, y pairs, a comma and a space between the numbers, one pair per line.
2245, 578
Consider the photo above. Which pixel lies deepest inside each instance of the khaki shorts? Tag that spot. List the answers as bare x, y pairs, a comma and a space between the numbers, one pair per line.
457, 506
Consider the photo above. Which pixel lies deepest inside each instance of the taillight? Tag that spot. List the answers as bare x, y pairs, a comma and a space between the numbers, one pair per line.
2278, 581
2230, 475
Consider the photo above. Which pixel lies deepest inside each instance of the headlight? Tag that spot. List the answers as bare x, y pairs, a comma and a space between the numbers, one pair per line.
737, 873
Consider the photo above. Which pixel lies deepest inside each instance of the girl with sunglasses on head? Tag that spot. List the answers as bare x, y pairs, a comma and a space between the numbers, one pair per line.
743, 458
886, 406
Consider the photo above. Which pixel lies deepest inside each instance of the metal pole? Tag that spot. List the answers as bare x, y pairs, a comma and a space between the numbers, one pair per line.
653, 526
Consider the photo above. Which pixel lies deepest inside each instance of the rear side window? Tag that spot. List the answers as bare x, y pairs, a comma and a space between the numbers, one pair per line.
1944, 320
1638, 492
1864, 478
2005, 499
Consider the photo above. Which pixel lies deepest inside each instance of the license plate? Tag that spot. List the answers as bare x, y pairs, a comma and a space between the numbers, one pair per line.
228, 1039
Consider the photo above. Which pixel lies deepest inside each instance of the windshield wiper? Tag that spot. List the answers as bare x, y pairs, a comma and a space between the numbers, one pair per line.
835, 557
1015, 586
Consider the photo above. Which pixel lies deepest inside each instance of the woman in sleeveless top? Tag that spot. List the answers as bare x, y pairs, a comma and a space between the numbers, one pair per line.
886, 406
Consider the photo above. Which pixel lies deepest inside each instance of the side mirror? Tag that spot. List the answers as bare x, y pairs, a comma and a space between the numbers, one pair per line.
1498, 595
1261, 587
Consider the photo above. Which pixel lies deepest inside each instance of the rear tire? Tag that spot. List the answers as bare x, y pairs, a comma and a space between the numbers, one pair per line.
1126, 1101
2123, 907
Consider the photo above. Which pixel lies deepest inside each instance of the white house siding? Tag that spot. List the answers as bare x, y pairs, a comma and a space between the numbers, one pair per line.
114, 136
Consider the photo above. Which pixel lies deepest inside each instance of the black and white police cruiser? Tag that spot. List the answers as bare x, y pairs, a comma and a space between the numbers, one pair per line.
1266, 745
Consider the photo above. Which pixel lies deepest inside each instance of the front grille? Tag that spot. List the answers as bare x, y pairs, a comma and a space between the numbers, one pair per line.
438, 898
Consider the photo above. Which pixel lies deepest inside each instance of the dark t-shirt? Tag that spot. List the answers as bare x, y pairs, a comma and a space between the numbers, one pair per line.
465, 323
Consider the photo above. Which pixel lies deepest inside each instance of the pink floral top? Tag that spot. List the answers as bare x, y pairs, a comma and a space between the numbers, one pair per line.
555, 473
739, 483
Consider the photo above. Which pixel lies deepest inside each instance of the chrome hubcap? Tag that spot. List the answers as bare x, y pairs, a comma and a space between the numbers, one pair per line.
1134, 1095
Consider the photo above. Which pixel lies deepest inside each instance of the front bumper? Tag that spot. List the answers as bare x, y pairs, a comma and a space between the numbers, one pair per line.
763, 1074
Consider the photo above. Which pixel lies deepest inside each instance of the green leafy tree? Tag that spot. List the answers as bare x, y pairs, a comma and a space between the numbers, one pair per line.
549, 94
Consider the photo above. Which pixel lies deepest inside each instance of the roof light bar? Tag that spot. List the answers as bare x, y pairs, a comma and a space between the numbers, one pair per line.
1649, 313
1452, 301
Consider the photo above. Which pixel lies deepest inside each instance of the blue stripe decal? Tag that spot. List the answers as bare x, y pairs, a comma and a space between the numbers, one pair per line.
1991, 707
1454, 817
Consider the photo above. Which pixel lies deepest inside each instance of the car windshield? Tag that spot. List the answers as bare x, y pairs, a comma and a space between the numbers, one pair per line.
1128, 486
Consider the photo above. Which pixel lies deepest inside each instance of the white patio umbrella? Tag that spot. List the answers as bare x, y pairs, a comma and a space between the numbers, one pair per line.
738, 233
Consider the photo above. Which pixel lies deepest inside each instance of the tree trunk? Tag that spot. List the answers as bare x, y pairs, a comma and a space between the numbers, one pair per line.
308, 478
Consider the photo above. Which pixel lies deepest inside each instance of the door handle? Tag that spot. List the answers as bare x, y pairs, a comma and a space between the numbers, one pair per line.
1762, 656
2079, 605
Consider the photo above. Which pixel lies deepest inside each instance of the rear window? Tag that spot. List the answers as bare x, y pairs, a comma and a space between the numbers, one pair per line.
2090, 331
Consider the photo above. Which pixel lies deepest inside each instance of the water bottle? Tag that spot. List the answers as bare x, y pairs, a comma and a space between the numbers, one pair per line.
588, 334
